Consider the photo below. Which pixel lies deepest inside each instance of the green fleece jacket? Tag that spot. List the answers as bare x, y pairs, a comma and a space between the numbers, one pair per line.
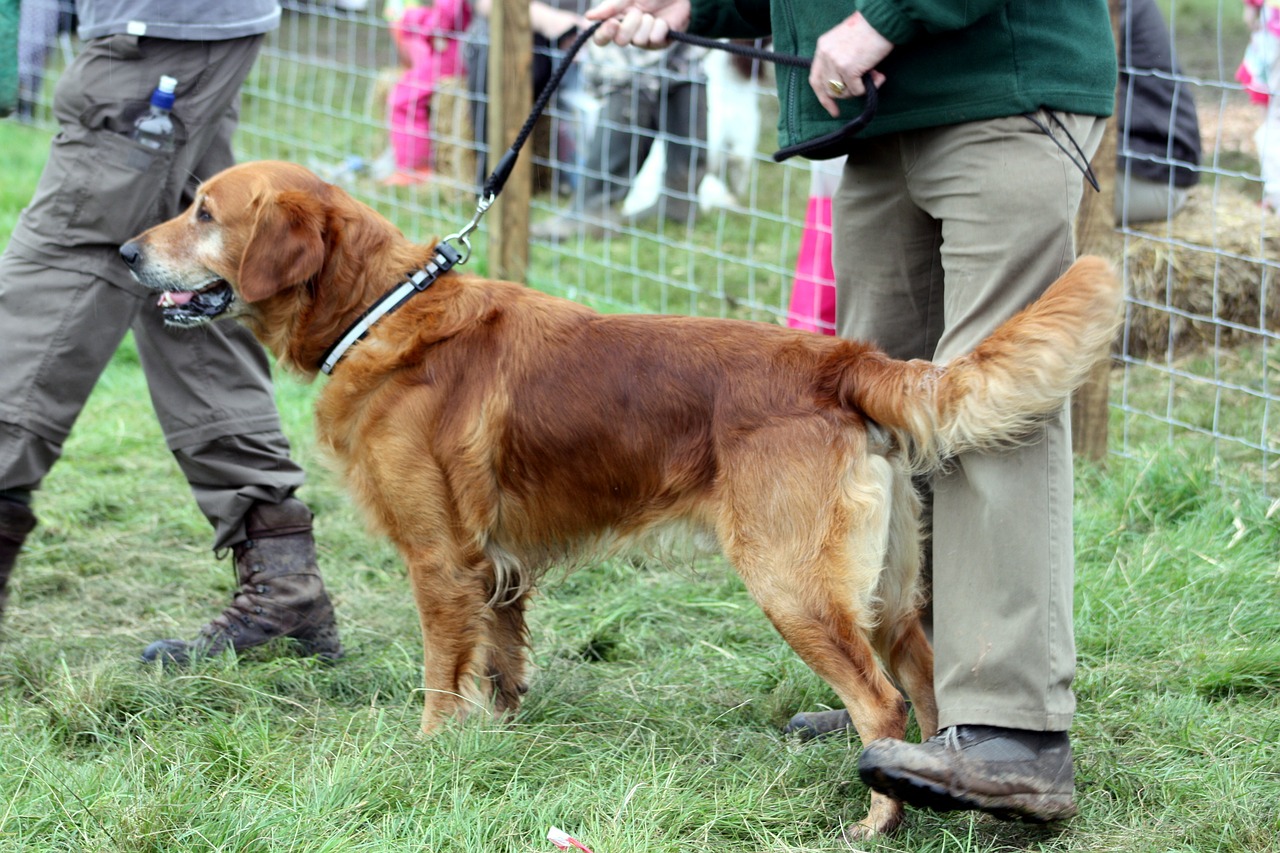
953, 60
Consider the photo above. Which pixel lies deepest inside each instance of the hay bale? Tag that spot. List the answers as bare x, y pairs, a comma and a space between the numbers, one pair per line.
455, 149
1216, 262
452, 145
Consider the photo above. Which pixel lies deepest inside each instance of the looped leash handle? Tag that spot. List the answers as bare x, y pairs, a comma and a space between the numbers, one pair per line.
826, 147
836, 143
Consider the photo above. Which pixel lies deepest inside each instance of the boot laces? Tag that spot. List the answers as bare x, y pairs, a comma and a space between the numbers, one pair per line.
237, 615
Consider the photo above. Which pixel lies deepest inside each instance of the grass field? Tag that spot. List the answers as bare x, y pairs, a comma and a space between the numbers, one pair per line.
652, 722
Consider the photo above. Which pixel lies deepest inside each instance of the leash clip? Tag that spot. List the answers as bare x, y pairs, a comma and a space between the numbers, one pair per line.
482, 207
445, 258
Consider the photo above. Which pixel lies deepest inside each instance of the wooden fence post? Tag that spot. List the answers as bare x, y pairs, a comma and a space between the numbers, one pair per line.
510, 99
1096, 235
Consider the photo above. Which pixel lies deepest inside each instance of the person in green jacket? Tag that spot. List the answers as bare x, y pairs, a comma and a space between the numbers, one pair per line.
955, 209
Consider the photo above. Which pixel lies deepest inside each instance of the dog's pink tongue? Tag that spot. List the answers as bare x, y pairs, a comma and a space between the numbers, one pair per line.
172, 297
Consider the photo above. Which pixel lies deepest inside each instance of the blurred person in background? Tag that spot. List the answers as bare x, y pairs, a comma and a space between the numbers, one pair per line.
555, 25
40, 23
1260, 73
1156, 121
427, 37
813, 288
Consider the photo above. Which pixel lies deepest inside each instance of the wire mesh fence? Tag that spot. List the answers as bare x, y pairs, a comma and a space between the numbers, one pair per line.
1198, 365
654, 190
624, 232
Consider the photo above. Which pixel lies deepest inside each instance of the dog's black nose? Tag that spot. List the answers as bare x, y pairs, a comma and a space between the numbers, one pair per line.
130, 253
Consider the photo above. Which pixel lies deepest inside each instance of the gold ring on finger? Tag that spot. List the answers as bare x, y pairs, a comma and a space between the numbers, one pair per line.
836, 87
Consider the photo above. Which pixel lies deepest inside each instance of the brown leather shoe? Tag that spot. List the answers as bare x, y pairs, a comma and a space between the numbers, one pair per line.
808, 725
1010, 773
16, 521
281, 593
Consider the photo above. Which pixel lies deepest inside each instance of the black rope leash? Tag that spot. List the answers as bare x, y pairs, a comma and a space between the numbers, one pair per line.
498, 177
502, 171
742, 50
825, 147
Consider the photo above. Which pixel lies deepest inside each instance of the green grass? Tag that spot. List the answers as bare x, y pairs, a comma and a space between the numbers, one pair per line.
652, 722
1219, 404
22, 154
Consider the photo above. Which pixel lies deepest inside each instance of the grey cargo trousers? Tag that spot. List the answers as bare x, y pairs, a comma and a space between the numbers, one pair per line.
67, 300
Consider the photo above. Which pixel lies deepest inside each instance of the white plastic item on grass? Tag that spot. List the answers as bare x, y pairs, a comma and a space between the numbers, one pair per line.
564, 840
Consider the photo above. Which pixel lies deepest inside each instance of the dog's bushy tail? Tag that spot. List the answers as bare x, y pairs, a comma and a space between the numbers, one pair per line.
991, 397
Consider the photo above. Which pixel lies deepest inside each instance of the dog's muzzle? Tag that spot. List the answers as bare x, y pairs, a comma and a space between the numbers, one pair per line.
180, 306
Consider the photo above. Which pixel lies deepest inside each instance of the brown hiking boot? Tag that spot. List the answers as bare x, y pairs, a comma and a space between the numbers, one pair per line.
1010, 773
16, 521
281, 593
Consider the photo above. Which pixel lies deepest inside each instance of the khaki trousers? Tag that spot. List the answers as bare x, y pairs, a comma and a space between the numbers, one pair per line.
940, 235
67, 300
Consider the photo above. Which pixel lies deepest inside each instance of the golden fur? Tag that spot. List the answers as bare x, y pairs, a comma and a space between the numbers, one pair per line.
492, 431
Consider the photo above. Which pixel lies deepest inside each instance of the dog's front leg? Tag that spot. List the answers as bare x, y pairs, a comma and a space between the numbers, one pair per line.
451, 598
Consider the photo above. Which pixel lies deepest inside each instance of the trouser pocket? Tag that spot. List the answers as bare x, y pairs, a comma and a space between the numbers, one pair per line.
116, 188
100, 186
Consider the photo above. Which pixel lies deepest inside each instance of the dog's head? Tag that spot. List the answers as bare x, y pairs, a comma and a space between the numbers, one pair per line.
252, 232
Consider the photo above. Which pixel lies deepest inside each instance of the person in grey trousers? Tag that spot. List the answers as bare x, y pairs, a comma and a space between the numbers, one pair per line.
67, 301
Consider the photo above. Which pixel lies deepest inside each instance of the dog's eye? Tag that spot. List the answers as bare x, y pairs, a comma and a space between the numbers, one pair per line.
203, 214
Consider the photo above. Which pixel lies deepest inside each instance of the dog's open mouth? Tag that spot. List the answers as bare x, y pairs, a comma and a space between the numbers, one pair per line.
193, 307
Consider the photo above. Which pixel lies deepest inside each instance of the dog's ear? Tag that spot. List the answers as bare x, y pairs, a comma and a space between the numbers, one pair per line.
286, 246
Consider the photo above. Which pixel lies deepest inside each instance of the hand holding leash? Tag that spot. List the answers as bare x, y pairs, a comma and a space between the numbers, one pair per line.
643, 23
846, 54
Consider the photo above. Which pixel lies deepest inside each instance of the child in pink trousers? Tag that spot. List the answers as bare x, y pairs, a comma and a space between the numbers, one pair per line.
1260, 74
427, 37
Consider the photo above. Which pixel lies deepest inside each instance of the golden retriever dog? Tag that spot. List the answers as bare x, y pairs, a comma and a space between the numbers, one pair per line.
493, 431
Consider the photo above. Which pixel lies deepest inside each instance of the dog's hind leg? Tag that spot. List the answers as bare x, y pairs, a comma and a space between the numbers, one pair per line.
809, 540
506, 654
899, 637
